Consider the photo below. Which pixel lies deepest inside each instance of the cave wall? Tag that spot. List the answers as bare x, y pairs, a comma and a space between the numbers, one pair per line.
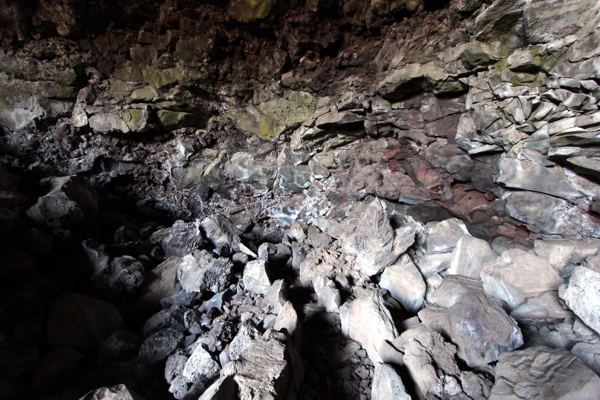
486, 111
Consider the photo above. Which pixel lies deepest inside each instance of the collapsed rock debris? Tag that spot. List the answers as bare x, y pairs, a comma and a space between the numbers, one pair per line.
299, 200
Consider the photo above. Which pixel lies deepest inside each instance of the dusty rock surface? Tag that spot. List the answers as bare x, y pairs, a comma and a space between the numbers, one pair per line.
311, 200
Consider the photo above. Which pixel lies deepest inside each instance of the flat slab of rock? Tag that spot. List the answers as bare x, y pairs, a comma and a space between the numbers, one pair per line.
473, 321
369, 322
582, 293
543, 373
517, 275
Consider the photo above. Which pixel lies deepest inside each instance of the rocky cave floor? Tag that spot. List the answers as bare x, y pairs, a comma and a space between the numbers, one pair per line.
320, 199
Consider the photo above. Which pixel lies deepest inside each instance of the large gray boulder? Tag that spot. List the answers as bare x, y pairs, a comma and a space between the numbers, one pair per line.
517, 275
442, 237
369, 322
117, 392
373, 240
473, 321
544, 373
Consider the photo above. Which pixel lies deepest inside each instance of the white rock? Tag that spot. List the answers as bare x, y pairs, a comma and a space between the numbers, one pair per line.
327, 293
287, 319
469, 255
582, 293
517, 275
369, 322
442, 236
405, 283
200, 365
256, 277
431, 264
387, 384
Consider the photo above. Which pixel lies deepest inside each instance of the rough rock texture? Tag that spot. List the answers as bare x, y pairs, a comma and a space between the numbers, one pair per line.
225, 174
473, 321
517, 275
369, 322
545, 373
582, 293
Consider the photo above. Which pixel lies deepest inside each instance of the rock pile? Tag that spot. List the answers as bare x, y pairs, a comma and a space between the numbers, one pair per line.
314, 200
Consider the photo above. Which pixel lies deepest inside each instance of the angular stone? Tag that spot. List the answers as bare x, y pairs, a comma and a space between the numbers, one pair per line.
589, 354
582, 293
261, 371
127, 121
370, 323
373, 240
245, 168
160, 346
551, 20
245, 336
517, 275
223, 389
474, 322
469, 256
429, 361
405, 283
221, 232
443, 236
549, 215
181, 239
526, 175
201, 272
387, 384
200, 366
544, 373
161, 282
117, 392
328, 294
69, 200
564, 254
271, 118
256, 277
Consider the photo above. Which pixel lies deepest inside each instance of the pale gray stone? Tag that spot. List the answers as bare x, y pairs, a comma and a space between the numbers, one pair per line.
469, 256
222, 389
443, 236
589, 354
256, 277
582, 293
117, 392
328, 294
200, 365
405, 283
476, 323
564, 254
517, 275
369, 322
387, 384
200, 271
545, 373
